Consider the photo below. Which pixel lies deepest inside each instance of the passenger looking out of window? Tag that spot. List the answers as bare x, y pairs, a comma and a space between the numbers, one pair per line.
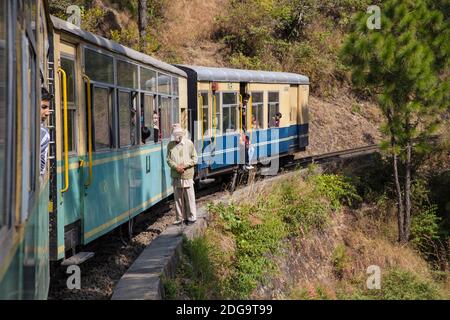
275, 121
46, 98
155, 126
244, 139
133, 125
255, 124
245, 99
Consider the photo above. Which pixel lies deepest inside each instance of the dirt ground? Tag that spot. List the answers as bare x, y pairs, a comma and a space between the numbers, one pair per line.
341, 123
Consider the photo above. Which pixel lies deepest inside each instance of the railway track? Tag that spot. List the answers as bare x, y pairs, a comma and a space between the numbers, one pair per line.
335, 155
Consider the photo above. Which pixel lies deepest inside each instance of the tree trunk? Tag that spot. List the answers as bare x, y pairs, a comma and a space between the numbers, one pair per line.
407, 223
142, 22
400, 209
398, 189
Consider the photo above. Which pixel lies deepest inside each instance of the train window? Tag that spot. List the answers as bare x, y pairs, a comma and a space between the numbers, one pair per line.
148, 79
164, 84
175, 88
147, 114
98, 67
229, 110
31, 104
3, 114
126, 74
102, 118
274, 107
257, 110
127, 119
204, 110
165, 106
68, 66
175, 114
216, 114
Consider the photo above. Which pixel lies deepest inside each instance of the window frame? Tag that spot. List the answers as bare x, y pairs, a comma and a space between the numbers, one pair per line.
116, 73
160, 75
143, 120
101, 52
207, 132
111, 117
74, 107
225, 132
268, 107
260, 105
140, 77
160, 113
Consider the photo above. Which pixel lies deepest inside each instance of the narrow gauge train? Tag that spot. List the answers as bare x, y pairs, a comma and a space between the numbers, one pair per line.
101, 172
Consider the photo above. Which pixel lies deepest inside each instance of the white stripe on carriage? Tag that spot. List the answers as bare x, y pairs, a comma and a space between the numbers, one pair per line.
255, 144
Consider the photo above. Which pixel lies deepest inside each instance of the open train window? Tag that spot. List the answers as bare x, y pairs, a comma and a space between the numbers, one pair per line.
216, 120
127, 119
175, 114
205, 114
149, 118
102, 116
68, 65
274, 108
175, 86
30, 114
257, 110
164, 106
229, 111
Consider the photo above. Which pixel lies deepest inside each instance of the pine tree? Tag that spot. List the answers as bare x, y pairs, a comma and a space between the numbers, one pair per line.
406, 64
142, 22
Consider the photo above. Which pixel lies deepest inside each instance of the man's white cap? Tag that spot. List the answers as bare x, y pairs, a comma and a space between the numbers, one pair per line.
177, 130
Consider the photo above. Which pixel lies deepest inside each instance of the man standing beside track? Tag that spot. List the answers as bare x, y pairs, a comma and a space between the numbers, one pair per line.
182, 158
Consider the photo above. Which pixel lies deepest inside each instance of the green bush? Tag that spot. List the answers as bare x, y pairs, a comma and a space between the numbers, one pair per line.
340, 260
398, 284
404, 285
338, 189
425, 228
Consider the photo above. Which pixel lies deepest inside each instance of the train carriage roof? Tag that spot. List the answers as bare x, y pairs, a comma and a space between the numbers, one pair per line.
115, 47
239, 75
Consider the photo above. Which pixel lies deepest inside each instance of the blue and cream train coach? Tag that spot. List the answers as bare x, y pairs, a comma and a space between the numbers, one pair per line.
105, 94
218, 115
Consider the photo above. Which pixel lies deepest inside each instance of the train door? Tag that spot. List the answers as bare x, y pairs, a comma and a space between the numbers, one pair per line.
131, 167
141, 167
71, 176
100, 196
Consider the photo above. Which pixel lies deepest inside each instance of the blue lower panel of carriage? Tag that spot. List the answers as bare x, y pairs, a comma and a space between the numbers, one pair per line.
225, 151
24, 271
124, 183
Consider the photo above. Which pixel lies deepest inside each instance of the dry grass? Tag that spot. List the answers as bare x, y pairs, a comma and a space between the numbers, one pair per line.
344, 123
187, 31
366, 240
